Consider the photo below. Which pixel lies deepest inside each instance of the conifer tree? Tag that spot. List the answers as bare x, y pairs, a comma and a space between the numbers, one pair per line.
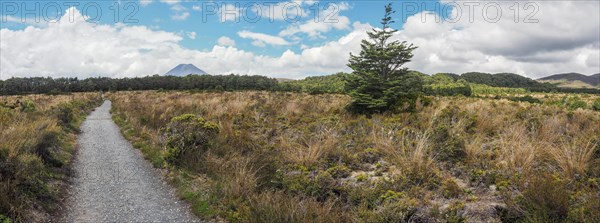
380, 82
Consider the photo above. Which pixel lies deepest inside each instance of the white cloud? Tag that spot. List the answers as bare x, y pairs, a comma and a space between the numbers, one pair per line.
170, 2
259, 43
316, 29
24, 20
230, 12
179, 12
263, 38
196, 8
290, 10
564, 40
328, 19
191, 35
225, 41
145, 2
124, 51
181, 16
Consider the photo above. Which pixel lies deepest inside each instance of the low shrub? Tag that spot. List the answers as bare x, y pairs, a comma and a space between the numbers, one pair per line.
339, 171
596, 104
370, 155
27, 106
545, 199
186, 135
448, 146
450, 189
575, 102
453, 213
449, 89
526, 98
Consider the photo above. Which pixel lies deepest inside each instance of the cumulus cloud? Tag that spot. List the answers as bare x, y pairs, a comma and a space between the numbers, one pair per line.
327, 19
120, 50
260, 39
289, 10
24, 20
191, 35
564, 38
230, 12
170, 2
145, 2
225, 41
179, 12
259, 43
315, 29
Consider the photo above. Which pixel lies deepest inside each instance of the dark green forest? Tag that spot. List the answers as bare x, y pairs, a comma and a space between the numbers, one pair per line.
47, 85
437, 84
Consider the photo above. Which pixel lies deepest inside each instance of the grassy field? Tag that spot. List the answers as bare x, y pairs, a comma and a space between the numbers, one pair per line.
36, 145
290, 157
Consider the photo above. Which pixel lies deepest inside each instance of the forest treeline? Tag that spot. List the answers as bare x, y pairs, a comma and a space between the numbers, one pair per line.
47, 85
446, 84
437, 84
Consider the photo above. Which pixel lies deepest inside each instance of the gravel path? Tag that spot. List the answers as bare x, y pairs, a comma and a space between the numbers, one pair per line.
113, 182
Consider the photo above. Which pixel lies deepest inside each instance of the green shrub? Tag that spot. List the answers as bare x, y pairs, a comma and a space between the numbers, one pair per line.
596, 104
4, 219
545, 199
339, 171
448, 146
187, 134
478, 176
451, 189
395, 210
49, 140
585, 206
362, 177
449, 89
482, 89
453, 213
67, 114
526, 98
27, 106
573, 103
6, 115
370, 155
298, 180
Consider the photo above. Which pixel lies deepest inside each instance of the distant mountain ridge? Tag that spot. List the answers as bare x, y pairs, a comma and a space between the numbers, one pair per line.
184, 70
573, 80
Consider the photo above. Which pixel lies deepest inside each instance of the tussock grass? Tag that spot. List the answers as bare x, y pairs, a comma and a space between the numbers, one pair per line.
37, 138
286, 157
574, 156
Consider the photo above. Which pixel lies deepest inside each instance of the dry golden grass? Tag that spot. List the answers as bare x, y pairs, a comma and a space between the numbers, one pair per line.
517, 151
309, 152
37, 139
574, 156
303, 158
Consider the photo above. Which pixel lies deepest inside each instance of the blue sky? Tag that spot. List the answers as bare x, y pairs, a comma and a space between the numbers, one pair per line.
162, 15
207, 34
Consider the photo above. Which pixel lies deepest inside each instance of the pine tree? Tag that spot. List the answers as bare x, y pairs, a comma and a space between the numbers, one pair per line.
379, 82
